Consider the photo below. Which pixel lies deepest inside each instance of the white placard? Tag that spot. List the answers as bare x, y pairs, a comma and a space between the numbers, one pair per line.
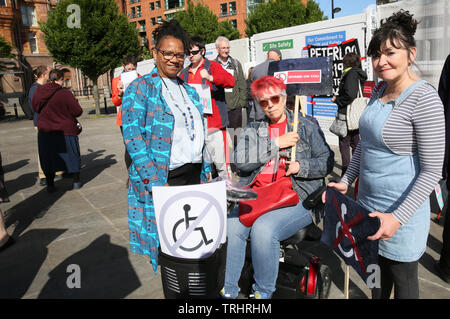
204, 92
191, 220
127, 78
232, 73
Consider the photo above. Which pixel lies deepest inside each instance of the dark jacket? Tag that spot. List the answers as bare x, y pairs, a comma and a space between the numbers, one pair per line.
444, 93
348, 88
33, 88
237, 98
255, 149
60, 113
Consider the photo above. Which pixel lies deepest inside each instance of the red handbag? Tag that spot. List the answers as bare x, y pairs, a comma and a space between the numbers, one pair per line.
272, 196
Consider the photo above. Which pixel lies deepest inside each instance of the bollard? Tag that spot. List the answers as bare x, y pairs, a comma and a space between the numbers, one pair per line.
106, 107
15, 110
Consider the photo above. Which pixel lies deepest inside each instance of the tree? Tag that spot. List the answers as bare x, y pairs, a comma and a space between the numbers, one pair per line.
91, 36
5, 51
278, 14
199, 20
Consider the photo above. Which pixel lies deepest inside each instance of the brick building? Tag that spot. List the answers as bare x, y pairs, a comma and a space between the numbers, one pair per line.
148, 13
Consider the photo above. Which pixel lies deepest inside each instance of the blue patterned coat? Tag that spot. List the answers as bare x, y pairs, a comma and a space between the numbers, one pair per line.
147, 132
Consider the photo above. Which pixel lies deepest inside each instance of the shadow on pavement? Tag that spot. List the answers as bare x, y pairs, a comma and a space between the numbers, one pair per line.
37, 205
31, 249
105, 271
16, 165
22, 182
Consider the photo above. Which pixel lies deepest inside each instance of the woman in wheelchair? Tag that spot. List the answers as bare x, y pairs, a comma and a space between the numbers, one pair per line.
259, 164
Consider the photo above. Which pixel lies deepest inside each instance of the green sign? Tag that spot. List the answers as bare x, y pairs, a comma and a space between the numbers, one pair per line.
280, 45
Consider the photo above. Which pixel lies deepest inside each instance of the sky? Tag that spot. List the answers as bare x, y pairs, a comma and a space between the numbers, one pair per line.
348, 7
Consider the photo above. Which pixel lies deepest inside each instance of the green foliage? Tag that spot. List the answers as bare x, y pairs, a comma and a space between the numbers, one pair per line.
5, 51
146, 54
98, 45
199, 20
278, 14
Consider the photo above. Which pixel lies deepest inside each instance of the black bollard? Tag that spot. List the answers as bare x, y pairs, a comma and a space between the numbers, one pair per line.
106, 107
15, 111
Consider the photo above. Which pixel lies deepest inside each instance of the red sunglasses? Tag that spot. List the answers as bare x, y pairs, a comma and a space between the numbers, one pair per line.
274, 99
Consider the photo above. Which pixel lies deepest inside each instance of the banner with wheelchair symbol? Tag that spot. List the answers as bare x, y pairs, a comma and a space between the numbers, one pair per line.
191, 220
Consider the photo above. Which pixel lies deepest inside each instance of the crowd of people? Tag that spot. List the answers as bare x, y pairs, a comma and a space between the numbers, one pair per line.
171, 139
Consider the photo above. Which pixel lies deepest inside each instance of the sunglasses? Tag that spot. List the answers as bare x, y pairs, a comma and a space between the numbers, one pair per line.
194, 52
274, 99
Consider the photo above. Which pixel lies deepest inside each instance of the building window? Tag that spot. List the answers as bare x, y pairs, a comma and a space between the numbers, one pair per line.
133, 12
223, 10
153, 21
33, 42
159, 19
152, 6
138, 12
67, 83
234, 23
233, 8
158, 5
28, 16
171, 4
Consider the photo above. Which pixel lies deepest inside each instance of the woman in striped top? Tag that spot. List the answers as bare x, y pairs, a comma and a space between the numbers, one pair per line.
400, 155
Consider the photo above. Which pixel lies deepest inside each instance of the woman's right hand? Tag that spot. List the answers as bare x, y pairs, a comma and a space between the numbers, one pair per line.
341, 187
287, 140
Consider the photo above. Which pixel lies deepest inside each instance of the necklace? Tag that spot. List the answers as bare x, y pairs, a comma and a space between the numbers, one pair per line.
190, 130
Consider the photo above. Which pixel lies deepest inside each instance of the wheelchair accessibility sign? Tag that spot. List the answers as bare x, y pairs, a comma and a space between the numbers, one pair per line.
191, 220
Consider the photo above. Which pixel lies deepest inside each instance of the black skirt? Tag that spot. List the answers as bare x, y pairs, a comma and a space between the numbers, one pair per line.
188, 174
59, 153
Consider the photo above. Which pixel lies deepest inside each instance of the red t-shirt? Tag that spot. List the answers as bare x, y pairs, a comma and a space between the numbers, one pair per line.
266, 175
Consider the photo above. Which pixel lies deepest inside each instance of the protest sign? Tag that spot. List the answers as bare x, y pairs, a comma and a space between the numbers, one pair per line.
191, 220
336, 52
127, 78
204, 93
346, 228
304, 76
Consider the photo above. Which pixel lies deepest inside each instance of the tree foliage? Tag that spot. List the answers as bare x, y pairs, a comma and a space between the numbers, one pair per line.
98, 43
199, 20
278, 14
5, 51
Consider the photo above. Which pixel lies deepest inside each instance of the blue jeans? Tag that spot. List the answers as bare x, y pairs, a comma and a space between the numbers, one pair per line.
265, 236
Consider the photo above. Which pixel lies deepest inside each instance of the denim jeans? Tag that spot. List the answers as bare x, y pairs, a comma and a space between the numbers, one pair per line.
265, 235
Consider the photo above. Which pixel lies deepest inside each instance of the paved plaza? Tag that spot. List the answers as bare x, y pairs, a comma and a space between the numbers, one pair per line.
89, 227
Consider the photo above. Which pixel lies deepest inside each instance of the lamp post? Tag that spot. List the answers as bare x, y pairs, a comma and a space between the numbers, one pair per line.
333, 9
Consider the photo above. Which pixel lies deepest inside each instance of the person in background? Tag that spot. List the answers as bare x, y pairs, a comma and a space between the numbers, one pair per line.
41, 74
260, 70
59, 148
164, 132
129, 64
352, 78
443, 265
204, 71
4, 197
236, 97
399, 157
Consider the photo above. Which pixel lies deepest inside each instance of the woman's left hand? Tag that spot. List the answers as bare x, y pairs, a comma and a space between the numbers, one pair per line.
388, 226
293, 168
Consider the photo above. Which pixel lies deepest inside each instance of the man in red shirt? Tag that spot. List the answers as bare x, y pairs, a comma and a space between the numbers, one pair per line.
204, 71
129, 64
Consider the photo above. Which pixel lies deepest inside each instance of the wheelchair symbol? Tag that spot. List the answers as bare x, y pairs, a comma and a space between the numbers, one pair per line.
179, 231
186, 220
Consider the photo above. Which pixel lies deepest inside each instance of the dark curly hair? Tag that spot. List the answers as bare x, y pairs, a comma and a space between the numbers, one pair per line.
173, 29
399, 29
